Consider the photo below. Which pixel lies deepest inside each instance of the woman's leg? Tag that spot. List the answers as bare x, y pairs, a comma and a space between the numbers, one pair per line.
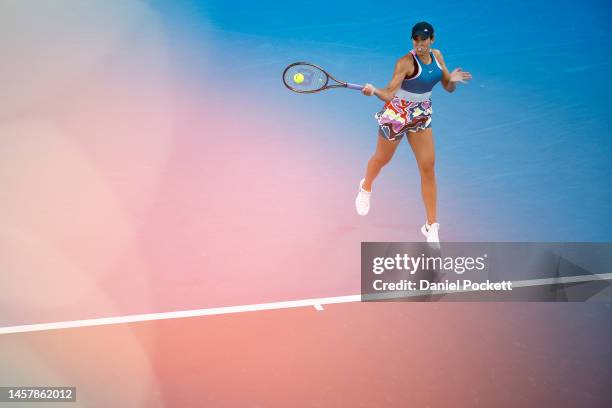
422, 144
383, 154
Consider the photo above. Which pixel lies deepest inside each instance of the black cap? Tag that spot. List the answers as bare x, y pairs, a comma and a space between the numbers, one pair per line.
422, 29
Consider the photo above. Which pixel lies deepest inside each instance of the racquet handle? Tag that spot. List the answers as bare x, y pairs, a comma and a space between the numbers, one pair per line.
354, 86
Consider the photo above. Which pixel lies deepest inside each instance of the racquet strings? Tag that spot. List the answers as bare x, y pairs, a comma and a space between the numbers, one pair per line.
305, 78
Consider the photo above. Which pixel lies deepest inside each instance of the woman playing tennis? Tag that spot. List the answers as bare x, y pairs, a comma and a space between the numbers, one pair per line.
407, 111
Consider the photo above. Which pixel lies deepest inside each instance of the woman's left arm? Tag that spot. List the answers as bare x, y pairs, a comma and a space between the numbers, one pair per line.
450, 79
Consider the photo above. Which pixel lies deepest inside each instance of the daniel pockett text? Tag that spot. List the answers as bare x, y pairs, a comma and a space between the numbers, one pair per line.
406, 265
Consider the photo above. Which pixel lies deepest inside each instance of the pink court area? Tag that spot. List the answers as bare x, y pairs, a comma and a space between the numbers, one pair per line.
356, 354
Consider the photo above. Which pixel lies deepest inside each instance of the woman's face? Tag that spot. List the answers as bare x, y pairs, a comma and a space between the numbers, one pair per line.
421, 45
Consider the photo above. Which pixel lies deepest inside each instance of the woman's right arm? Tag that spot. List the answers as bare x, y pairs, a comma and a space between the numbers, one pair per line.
403, 66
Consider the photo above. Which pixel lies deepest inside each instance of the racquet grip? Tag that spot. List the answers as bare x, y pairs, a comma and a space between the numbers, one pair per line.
354, 86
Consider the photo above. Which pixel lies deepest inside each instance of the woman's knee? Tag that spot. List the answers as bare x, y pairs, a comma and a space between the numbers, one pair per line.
380, 161
427, 167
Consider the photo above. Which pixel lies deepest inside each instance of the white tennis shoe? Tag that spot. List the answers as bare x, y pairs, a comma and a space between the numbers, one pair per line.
362, 202
431, 233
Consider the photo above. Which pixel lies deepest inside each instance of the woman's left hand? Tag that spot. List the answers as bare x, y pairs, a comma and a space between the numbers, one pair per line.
459, 75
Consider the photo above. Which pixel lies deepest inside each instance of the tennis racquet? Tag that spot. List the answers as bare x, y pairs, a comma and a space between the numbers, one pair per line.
303, 77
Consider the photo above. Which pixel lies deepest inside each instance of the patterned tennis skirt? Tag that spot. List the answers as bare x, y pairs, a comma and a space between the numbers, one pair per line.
400, 116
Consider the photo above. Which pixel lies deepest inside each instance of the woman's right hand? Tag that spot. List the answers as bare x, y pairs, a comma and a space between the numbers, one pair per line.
368, 90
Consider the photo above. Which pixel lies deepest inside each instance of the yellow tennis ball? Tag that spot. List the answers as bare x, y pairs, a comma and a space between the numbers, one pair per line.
298, 78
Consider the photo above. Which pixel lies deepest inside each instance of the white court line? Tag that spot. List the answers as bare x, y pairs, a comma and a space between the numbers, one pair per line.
316, 303
180, 314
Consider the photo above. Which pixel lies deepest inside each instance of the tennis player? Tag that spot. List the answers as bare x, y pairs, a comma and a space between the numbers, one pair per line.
407, 111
